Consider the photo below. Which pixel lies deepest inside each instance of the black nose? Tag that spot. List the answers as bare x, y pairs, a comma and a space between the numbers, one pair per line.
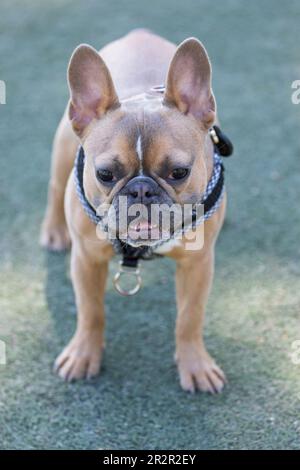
142, 190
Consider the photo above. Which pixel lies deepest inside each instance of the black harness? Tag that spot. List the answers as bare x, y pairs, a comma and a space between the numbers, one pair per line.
131, 255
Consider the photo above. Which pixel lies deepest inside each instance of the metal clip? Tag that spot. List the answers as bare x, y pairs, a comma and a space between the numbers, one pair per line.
214, 136
131, 272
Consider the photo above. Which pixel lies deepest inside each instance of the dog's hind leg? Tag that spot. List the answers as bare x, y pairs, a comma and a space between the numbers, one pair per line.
54, 231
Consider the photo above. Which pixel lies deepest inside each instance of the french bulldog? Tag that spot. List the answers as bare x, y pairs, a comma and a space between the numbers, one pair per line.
150, 147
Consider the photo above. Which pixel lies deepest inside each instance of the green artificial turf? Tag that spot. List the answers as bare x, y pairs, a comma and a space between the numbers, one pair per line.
254, 311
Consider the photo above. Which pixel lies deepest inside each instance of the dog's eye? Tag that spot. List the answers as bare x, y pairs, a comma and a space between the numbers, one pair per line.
179, 173
105, 175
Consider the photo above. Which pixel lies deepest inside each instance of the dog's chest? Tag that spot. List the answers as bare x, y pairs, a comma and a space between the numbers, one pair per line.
167, 246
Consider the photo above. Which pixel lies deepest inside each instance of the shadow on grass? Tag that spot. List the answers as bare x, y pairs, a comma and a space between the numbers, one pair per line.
137, 401
59, 294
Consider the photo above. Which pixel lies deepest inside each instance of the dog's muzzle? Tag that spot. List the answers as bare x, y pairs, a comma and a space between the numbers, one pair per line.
136, 211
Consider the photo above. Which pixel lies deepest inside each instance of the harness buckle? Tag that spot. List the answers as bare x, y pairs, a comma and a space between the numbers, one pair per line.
213, 135
130, 271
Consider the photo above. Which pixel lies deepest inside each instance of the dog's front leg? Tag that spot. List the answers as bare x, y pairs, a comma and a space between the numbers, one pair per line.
82, 356
54, 232
197, 370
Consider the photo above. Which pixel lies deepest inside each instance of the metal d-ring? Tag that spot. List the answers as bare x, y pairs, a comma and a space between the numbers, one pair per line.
123, 270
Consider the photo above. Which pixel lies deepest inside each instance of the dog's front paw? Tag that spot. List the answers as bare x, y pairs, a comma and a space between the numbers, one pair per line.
198, 371
55, 236
81, 358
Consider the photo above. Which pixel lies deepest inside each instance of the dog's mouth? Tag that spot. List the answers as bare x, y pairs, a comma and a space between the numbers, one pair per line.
154, 225
140, 232
143, 229
144, 223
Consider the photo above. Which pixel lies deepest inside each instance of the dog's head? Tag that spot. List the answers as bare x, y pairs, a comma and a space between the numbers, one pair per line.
145, 152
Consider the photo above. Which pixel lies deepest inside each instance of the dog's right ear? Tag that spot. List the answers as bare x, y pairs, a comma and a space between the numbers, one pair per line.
92, 91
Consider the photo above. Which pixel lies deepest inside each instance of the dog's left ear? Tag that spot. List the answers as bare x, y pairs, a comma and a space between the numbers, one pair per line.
188, 85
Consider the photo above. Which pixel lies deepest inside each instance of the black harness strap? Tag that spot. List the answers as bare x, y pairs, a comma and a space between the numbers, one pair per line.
211, 200
132, 255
